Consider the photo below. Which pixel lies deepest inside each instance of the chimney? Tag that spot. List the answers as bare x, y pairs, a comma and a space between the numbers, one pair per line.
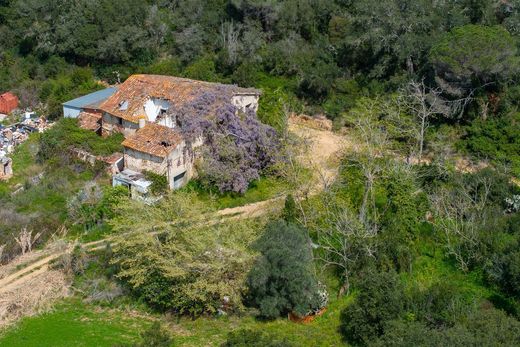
142, 122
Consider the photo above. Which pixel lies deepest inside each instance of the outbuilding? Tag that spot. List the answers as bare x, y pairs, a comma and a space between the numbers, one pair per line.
88, 103
8, 102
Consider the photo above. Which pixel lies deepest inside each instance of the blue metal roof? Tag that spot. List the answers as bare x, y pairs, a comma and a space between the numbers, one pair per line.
91, 100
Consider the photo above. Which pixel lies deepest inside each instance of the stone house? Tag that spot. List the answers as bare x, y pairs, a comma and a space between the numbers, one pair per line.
146, 110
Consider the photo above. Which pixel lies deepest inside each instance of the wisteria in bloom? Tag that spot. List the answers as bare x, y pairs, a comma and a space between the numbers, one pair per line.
237, 149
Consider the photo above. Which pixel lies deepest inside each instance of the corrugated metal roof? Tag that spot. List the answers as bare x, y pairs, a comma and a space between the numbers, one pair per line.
92, 100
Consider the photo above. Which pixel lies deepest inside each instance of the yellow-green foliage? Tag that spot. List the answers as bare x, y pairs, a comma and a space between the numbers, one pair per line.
187, 267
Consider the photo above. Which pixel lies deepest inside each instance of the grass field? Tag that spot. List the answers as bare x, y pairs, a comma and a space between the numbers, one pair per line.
73, 323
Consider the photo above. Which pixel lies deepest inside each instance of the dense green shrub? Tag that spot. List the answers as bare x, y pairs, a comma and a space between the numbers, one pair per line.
282, 279
66, 134
496, 139
380, 300
486, 327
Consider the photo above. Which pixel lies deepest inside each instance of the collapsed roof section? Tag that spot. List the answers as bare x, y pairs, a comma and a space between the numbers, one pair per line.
154, 139
129, 100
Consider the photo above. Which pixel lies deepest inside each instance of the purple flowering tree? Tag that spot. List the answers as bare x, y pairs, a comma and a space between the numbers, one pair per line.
237, 148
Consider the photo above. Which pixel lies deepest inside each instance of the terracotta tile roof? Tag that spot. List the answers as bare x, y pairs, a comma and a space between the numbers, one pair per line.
128, 101
89, 120
154, 139
112, 158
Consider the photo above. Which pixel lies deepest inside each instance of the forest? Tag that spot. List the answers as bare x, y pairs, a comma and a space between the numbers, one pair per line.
408, 236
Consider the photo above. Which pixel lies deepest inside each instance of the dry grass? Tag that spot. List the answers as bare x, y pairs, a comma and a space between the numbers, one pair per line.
36, 294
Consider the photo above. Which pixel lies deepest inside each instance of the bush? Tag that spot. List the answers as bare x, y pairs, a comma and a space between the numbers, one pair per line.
159, 182
272, 108
282, 279
155, 336
181, 270
66, 134
380, 300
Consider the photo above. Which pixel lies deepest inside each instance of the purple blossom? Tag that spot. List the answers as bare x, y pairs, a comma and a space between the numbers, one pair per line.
238, 148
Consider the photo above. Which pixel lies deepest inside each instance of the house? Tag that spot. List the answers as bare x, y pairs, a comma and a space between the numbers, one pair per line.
147, 110
86, 108
158, 149
8, 102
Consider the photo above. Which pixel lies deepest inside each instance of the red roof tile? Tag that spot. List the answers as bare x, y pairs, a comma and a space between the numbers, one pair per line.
154, 139
137, 89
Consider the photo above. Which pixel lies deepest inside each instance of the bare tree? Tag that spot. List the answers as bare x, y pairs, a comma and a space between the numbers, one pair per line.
343, 241
230, 35
26, 240
459, 212
424, 103
374, 143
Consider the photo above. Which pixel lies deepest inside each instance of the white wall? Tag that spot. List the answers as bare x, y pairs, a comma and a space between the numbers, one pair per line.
242, 101
153, 106
71, 111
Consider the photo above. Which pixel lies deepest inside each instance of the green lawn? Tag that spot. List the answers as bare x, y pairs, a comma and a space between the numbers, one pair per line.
262, 189
75, 324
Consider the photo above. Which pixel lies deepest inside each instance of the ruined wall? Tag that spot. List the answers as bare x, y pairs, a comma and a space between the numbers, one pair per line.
111, 125
139, 161
245, 101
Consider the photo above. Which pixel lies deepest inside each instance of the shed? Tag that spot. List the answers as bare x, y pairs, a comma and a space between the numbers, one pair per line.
72, 108
8, 102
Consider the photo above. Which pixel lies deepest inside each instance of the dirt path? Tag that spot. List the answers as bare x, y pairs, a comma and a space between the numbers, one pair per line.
322, 158
12, 277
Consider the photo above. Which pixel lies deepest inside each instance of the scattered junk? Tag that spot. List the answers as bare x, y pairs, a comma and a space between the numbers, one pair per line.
8, 102
14, 135
6, 168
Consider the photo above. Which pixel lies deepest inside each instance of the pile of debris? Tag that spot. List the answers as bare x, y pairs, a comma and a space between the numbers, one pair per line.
15, 134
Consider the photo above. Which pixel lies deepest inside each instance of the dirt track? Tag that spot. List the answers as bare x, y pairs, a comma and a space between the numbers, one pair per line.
322, 158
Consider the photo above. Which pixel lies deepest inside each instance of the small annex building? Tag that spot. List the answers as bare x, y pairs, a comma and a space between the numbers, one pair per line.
8, 102
159, 149
86, 108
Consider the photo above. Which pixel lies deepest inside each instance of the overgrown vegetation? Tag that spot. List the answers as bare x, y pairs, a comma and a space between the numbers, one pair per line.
416, 238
